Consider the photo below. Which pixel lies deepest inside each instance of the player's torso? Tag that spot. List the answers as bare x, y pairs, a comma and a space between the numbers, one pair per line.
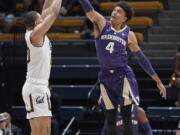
111, 47
38, 59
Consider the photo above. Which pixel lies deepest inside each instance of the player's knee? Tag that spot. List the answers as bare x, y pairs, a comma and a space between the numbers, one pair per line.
45, 129
34, 131
141, 111
178, 132
142, 115
49, 130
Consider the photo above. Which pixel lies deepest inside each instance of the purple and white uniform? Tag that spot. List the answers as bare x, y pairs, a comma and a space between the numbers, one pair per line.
117, 80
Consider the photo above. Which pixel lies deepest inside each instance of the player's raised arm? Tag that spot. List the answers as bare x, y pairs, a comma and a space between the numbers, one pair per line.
144, 62
93, 15
45, 9
41, 28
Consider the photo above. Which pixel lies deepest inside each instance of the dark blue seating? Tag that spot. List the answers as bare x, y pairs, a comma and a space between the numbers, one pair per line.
172, 93
164, 132
72, 92
75, 71
164, 111
18, 112
67, 112
156, 62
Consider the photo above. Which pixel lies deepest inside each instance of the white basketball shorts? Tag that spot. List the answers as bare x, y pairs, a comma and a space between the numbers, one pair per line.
37, 100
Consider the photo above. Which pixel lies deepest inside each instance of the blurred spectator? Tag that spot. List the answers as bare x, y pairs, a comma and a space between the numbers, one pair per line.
2, 123
6, 127
33, 5
175, 79
7, 7
87, 32
69, 4
7, 10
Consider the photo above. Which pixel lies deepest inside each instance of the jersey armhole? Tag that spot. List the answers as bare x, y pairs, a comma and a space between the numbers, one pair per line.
129, 30
36, 45
107, 23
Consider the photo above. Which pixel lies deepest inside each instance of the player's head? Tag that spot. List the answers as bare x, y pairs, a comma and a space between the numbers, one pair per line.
31, 19
123, 12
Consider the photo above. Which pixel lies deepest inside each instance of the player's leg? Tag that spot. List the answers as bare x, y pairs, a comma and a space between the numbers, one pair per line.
109, 111
40, 126
133, 125
178, 132
111, 121
143, 120
38, 107
130, 96
104, 129
119, 123
127, 119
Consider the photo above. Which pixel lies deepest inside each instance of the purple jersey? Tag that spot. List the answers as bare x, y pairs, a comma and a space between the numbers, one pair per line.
111, 47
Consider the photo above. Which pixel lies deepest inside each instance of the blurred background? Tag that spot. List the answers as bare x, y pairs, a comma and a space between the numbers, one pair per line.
74, 64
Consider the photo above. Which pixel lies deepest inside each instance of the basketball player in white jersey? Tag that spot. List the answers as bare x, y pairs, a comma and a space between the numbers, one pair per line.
36, 94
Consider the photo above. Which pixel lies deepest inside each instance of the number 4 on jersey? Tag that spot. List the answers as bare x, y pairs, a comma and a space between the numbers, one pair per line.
110, 47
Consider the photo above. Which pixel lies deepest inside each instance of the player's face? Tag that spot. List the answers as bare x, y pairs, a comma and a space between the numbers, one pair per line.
38, 20
118, 15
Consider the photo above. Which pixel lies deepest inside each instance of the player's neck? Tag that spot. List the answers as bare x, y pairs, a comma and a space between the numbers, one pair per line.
117, 26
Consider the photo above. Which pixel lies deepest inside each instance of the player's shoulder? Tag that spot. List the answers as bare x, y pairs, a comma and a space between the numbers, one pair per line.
132, 37
131, 34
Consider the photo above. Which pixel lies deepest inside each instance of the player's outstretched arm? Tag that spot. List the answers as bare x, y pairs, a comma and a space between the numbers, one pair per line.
41, 29
46, 6
93, 15
144, 62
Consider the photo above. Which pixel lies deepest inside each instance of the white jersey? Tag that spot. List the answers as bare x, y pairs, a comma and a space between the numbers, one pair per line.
39, 59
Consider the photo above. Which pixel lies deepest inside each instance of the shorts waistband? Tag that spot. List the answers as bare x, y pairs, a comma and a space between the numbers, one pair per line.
113, 70
37, 81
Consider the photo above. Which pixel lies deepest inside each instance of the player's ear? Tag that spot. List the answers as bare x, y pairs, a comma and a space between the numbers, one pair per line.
124, 19
35, 23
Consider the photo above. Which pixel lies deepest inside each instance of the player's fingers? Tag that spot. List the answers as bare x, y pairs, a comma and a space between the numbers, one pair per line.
164, 93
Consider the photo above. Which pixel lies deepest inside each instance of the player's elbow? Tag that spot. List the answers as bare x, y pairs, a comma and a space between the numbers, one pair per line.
55, 11
92, 16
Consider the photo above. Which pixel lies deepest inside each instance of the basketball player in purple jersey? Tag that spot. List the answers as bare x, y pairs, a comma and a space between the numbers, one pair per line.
117, 80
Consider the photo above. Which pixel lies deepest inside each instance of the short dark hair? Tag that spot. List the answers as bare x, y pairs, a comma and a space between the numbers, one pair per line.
129, 11
179, 48
30, 18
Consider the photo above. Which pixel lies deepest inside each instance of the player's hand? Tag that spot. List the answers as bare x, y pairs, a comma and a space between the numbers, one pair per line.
162, 90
